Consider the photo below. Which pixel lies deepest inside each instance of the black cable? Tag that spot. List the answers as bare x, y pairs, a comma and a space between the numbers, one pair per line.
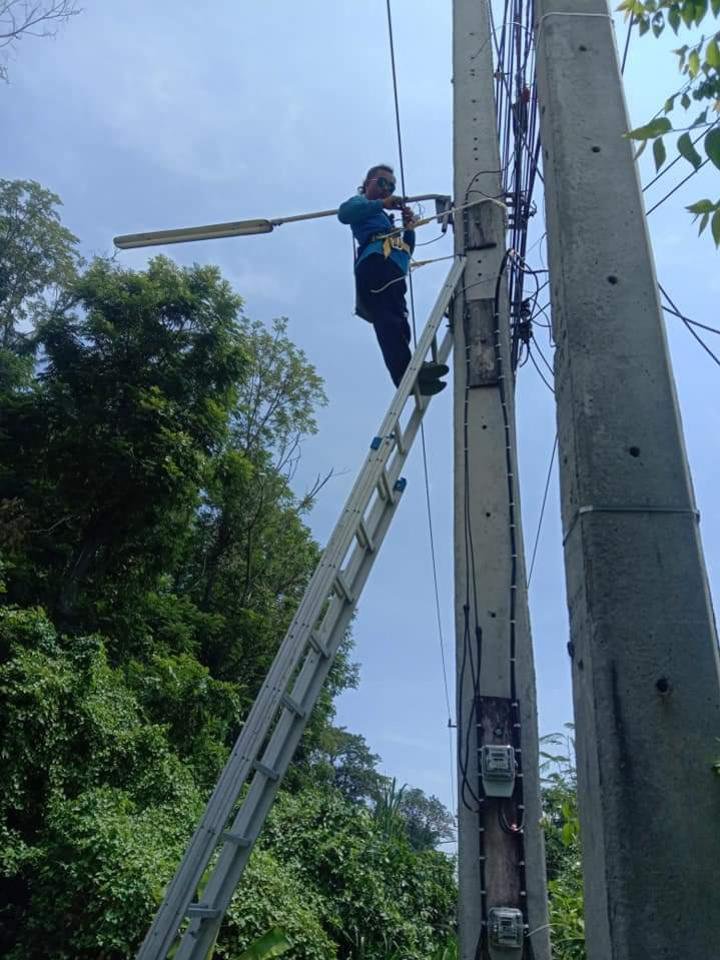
426, 472
542, 508
695, 323
517, 125
515, 715
677, 186
688, 324
627, 42
540, 373
544, 358
676, 160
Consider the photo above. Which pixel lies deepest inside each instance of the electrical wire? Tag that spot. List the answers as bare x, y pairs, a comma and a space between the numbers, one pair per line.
695, 323
543, 357
627, 42
677, 186
676, 159
539, 372
542, 508
511, 473
689, 325
426, 473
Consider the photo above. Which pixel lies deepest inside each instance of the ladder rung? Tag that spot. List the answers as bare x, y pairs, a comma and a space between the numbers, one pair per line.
293, 706
400, 438
342, 589
434, 348
202, 911
417, 395
266, 771
238, 839
317, 645
364, 538
384, 485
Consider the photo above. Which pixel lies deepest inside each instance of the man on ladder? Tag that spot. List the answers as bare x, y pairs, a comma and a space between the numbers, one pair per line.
382, 263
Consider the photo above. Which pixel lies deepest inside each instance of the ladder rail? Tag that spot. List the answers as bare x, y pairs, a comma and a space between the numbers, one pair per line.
263, 714
285, 739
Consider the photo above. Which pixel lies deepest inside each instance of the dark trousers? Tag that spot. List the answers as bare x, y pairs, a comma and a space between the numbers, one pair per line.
381, 290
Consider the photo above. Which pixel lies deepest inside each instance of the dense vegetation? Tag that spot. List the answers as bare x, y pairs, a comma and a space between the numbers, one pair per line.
152, 552
151, 555
699, 65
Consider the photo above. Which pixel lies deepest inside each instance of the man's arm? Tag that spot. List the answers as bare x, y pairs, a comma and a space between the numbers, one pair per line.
359, 208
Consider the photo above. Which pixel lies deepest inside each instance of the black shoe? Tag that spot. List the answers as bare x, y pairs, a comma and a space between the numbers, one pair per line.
430, 370
429, 388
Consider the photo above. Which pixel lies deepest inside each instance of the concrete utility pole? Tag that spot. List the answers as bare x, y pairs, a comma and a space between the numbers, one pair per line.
644, 645
501, 871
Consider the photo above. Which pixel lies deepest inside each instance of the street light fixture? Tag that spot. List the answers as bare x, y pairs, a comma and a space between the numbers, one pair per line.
245, 228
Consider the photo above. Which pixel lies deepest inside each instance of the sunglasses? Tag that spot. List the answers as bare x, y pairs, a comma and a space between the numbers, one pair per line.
385, 184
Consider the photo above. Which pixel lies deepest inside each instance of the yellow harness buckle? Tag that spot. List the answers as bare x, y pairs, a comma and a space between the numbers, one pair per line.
395, 243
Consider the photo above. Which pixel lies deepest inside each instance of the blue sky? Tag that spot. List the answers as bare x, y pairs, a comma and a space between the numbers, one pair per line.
152, 115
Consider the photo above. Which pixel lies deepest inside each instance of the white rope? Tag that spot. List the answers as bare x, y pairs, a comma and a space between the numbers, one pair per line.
413, 266
439, 216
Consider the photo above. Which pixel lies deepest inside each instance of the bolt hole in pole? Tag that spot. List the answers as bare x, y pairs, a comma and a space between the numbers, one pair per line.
663, 685
582, 48
634, 451
612, 279
596, 149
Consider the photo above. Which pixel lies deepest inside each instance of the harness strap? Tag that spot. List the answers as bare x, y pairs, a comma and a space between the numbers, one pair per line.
389, 243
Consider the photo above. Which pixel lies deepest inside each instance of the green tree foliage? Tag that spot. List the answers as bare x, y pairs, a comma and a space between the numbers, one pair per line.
699, 63
38, 256
345, 761
107, 451
152, 554
393, 898
562, 846
427, 820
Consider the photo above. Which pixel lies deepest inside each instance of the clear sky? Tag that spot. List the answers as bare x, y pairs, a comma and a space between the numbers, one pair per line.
152, 115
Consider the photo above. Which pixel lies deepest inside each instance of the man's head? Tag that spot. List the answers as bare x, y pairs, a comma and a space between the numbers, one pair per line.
379, 182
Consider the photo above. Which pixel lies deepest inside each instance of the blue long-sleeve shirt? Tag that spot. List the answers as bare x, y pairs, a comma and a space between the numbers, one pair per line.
367, 218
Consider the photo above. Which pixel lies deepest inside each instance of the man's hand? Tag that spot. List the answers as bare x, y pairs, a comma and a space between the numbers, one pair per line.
392, 203
408, 217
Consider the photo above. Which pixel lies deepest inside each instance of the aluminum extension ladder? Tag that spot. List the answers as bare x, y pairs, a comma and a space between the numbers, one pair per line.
275, 723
